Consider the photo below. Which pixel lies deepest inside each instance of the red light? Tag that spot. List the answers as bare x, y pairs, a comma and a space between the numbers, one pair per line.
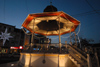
20, 47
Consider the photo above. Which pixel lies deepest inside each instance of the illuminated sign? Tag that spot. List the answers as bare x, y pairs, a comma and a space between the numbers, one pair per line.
20, 47
14, 47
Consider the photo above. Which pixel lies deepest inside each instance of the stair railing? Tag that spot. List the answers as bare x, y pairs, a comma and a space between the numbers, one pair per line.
78, 55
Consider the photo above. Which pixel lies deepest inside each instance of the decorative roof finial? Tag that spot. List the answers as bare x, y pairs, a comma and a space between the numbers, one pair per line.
50, 8
50, 2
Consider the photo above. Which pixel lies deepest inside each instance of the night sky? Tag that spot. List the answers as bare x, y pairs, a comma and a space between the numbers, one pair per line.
14, 12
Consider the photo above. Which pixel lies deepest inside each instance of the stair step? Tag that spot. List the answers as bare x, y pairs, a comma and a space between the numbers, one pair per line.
74, 61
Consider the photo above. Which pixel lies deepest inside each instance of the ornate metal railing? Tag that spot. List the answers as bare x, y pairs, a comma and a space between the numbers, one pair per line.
44, 48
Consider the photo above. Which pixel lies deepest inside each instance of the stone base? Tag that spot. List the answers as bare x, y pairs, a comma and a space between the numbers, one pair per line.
45, 60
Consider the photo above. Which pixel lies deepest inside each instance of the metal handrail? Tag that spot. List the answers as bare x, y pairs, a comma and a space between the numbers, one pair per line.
77, 53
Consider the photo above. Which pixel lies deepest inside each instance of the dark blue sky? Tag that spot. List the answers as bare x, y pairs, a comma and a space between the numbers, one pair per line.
14, 12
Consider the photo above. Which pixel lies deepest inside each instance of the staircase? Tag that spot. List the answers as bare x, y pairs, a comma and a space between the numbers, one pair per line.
74, 61
78, 57
82, 59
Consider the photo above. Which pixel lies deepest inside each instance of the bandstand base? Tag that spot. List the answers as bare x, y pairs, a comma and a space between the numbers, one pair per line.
45, 60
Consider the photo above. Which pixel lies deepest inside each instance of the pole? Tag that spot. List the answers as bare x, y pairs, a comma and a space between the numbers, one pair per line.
89, 60
59, 42
32, 41
70, 37
59, 36
75, 38
96, 57
79, 41
58, 60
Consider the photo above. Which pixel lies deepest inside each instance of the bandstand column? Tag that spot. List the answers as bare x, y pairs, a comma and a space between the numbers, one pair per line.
59, 36
32, 42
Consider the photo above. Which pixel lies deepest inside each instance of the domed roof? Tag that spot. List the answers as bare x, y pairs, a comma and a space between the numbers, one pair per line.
50, 8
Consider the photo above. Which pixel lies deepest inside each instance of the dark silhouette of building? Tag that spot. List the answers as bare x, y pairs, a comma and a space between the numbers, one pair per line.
16, 40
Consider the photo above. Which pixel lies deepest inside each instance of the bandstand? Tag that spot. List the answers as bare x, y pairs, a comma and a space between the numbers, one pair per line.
49, 23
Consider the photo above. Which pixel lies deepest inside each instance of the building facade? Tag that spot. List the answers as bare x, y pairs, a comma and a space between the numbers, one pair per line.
10, 36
